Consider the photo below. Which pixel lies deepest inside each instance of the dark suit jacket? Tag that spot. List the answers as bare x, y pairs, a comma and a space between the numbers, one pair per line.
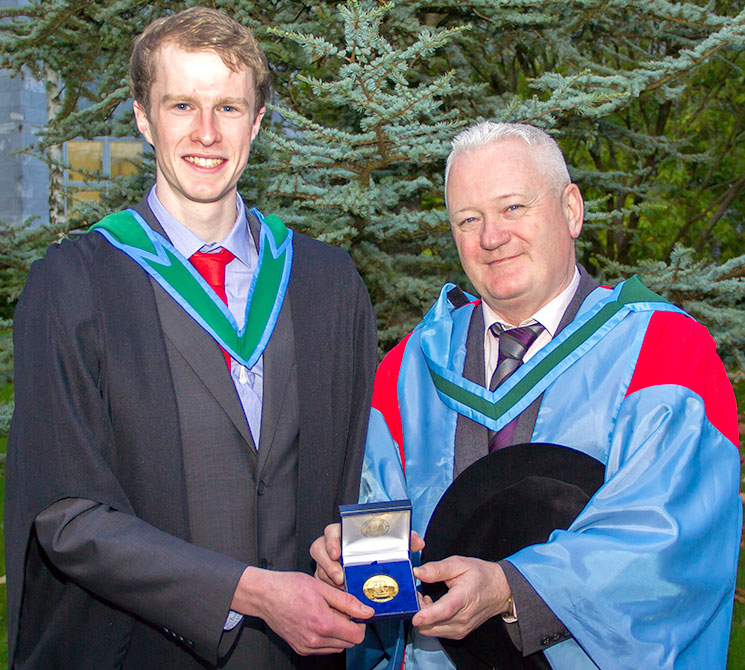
105, 368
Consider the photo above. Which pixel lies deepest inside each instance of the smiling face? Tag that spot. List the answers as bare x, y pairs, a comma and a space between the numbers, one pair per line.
514, 231
201, 122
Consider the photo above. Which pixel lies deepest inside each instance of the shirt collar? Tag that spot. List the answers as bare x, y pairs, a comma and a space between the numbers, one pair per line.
238, 241
549, 316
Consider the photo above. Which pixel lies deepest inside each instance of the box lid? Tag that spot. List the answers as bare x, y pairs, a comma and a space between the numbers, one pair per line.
375, 532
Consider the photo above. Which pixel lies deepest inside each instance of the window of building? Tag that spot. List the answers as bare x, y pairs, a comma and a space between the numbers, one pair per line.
111, 157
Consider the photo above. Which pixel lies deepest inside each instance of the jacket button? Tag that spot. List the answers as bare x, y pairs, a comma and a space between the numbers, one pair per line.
261, 488
263, 563
545, 641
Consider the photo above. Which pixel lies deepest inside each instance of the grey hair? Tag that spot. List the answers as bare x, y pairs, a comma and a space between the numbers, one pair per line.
552, 161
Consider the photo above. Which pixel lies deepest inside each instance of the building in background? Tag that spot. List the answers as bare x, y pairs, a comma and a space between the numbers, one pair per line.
24, 179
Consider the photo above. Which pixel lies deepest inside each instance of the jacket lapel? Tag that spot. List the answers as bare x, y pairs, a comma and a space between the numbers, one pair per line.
471, 438
200, 351
586, 286
279, 356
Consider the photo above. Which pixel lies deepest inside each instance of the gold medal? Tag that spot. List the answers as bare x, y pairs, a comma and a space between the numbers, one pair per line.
380, 588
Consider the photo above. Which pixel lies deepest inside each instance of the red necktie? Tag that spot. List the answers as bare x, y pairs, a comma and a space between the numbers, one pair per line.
212, 268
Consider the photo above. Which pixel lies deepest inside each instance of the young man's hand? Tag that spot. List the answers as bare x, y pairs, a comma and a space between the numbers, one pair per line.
312, 617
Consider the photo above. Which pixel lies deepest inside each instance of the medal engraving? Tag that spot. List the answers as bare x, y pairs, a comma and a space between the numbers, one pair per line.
375, 527
380, 588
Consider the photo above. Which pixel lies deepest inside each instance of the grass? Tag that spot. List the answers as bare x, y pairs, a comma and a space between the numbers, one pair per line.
736, 657
6, 393
3, 593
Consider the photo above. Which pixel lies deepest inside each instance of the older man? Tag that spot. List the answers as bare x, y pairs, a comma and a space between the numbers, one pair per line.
644, 576
192, 397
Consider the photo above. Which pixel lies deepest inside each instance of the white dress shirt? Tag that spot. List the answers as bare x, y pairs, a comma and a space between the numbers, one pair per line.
549, 316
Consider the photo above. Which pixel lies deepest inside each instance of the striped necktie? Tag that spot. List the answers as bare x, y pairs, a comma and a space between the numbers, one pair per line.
513, 343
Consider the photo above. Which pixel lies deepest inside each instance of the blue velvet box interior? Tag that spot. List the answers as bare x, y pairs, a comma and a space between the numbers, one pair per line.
375, 541
403, 605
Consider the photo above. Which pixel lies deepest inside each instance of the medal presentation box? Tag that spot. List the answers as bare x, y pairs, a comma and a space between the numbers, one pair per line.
375, 541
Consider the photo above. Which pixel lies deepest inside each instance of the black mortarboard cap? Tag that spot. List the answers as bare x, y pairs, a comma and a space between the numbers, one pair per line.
508, 500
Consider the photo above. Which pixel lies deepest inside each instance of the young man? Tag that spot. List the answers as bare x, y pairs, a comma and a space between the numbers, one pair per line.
185, 428
645, 574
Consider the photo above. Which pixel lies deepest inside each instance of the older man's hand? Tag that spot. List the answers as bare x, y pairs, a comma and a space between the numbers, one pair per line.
477, 591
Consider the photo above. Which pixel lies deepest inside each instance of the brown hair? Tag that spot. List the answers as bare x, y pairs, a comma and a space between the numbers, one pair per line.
197, 29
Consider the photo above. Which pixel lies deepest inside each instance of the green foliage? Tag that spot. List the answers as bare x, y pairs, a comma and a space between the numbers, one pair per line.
643, 97
6, 371
646, 100
714, 294
607, 78
354, 184
86, 47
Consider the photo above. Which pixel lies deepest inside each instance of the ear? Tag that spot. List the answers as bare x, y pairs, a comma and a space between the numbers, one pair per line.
574, 209
143, 124
257, 123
